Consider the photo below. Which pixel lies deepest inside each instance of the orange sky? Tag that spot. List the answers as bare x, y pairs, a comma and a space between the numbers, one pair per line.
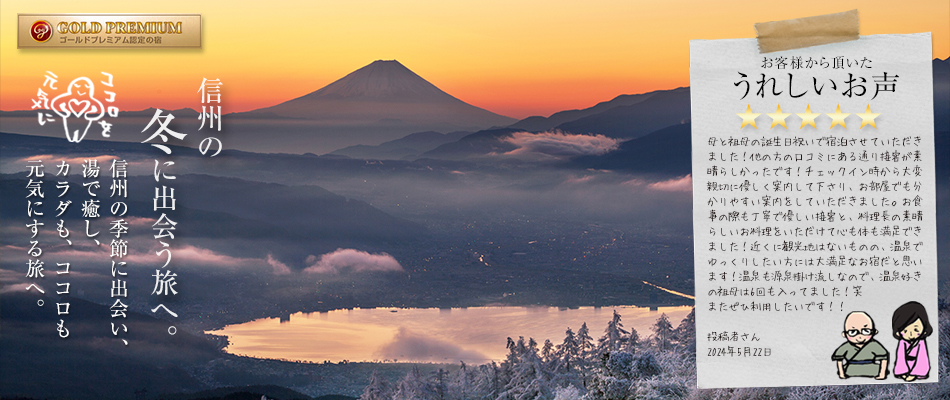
516, 58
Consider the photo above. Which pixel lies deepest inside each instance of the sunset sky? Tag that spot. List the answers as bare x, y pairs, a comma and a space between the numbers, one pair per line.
516, 58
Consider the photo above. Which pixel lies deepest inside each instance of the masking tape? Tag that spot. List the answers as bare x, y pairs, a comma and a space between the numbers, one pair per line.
807, 32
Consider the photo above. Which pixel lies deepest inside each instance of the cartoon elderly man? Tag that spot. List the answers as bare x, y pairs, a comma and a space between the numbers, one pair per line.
860, 355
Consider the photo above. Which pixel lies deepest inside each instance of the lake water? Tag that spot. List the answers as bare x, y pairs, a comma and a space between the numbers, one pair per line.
475, 335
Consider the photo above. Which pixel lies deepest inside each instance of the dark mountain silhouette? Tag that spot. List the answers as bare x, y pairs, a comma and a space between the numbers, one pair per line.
405, 148
665, 152
479, 143
649, 113
387, 92
250, 392
941, 74
537, 123
292, 213
662, 109
153, 360
306, 211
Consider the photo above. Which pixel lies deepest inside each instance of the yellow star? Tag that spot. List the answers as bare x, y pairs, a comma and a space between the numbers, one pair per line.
838, 117
778, 117
808, 117
867, 118
748, 117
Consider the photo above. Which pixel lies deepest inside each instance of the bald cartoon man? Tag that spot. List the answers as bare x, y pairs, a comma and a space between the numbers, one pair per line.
860, 355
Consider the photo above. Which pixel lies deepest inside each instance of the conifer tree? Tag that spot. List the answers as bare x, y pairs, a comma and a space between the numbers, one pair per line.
662, 333
614, 337
378, 388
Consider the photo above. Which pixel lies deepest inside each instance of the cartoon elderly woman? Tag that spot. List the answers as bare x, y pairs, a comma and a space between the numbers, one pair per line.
911, 328
79, 101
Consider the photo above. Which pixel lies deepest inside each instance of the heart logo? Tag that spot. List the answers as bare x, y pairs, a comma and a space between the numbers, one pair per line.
82, 106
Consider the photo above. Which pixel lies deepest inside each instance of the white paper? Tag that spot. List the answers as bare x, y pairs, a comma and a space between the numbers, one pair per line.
795, 338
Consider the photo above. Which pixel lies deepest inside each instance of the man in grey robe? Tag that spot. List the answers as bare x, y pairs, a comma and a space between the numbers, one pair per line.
860, 355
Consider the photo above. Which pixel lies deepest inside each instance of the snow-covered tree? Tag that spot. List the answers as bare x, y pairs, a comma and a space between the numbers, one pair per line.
614, 337
515, 350
378, 388
685, 333
532, 347
529, 379
587, 359
568, 393
439, 382
632, 342
567, 353
612, 380
413, 387
584, 342
461, 384
487, 382
620, 373
547, 352
662, 333
645, 365
513, 358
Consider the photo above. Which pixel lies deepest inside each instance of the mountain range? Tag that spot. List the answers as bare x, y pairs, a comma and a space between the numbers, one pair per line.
406, 148
647, 116
539, 123
368, 114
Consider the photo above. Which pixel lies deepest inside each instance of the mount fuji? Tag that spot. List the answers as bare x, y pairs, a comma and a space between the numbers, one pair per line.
387, 93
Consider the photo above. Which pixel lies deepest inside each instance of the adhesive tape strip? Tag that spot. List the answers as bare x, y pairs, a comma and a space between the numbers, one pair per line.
806, 32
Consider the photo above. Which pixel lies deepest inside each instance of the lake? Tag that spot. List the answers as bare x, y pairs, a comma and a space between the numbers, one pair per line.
474, 335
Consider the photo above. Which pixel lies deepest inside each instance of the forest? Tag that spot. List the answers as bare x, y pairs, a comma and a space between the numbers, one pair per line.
623, 364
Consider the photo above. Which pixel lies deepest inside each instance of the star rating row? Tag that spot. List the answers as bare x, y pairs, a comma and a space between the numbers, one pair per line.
808, 117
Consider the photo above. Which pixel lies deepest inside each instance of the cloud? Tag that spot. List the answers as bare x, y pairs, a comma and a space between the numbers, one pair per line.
560, 144
15, 281
684, 184
142, 250
412, 347
351, 259
633, 183
137, 164
279, 267
579, 180
146, 254
51, 161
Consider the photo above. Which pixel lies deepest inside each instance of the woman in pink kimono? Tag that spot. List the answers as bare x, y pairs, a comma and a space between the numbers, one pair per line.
911, 328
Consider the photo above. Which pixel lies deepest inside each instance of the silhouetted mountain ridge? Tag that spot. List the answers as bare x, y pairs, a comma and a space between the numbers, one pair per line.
404, 148
479, 143
662, 109
538, 123
665, 152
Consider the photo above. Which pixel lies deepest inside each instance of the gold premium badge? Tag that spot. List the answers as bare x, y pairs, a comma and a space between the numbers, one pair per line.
108, 30
41, 31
